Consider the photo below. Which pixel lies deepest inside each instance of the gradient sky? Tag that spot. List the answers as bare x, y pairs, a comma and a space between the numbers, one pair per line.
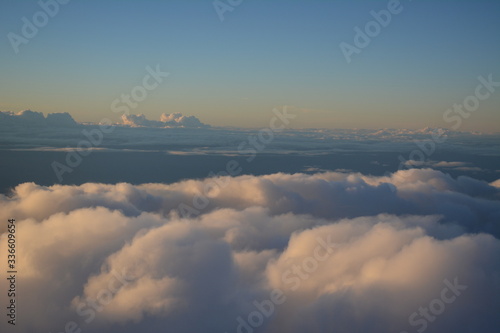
263, 55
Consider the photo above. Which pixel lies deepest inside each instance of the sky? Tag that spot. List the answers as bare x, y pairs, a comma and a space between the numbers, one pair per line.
263, 54
270, 166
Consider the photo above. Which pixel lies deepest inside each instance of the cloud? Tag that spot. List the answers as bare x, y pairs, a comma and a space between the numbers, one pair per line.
177, 119
140, 121
187, 134
313, 169
380, 272
32, 118
342, 252
464, 201
436, 164
166, 120
456, 166
469, 169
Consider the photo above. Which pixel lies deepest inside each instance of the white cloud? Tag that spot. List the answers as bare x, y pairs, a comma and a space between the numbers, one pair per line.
390, 253
325, 195
140, 121
177, 119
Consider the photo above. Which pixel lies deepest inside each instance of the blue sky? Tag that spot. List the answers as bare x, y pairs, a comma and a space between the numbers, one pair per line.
264, 54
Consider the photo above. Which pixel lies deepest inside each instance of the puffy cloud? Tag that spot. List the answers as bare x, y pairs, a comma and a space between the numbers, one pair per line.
166, 120
341, 252
60, 119
29, 116
464, 201
140, 121
177, 119
379, 273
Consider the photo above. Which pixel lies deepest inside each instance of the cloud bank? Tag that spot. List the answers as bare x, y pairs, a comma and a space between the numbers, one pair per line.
328, 252
33, 118
178, 134
166, 121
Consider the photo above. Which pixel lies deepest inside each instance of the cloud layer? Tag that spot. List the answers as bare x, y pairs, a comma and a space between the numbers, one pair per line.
278, 253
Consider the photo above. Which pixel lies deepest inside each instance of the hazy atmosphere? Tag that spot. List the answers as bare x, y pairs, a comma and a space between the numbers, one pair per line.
229, 65
249, 166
